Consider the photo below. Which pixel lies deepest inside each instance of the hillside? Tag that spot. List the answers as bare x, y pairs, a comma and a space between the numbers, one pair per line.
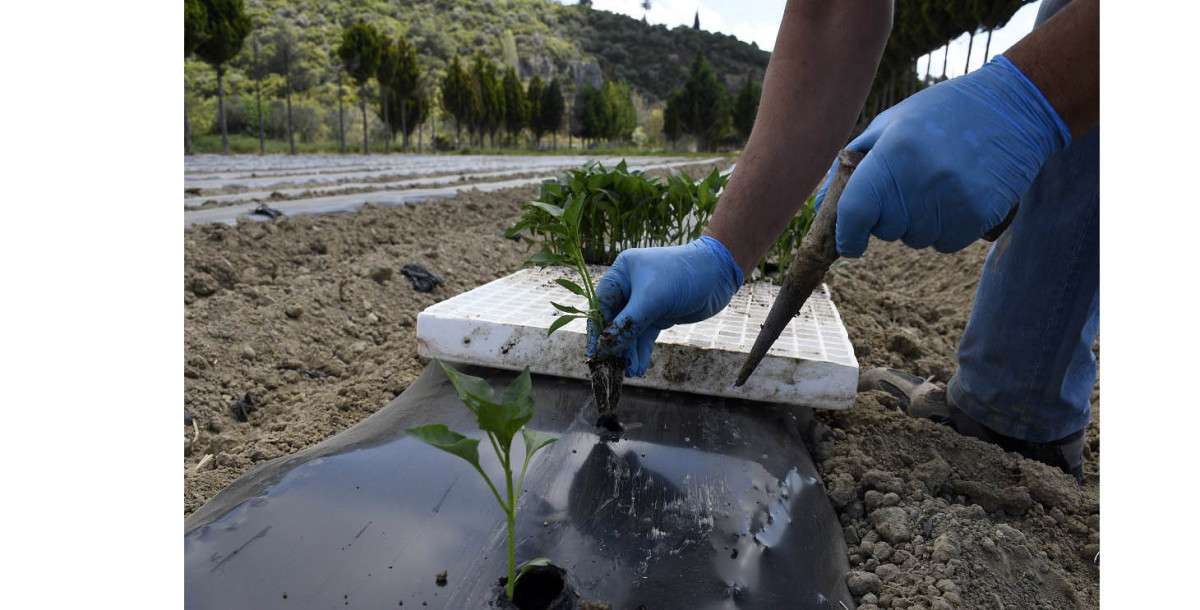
539, 37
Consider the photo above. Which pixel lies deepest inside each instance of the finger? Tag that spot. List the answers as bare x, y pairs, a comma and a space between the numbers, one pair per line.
862, 206
612, 290
644, 347
820, 196
626, 327
926, 226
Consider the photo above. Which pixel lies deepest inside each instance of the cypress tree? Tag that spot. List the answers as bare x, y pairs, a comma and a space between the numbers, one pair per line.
745, 108
455, 98
533, 98
706, 106
227, 26
553, 107
359, 51
195, 31
516, 108
673, 117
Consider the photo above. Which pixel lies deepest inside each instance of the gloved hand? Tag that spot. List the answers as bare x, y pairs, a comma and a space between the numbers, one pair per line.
648, 290
946, 165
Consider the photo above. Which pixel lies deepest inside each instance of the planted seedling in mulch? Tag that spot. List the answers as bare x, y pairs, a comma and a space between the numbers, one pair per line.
501, 415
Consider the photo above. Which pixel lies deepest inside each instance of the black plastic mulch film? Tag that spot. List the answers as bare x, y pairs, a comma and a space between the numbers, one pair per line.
702, 503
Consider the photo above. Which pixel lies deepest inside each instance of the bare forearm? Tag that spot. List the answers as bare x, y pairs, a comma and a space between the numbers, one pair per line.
1062, 57
825, 57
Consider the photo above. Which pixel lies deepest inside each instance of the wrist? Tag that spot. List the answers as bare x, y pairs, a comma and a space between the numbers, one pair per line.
722, 253
1027, 101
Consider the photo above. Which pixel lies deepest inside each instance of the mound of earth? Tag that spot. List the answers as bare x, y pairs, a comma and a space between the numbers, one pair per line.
933, 519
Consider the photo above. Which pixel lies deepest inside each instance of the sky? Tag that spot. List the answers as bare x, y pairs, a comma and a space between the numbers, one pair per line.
758, 20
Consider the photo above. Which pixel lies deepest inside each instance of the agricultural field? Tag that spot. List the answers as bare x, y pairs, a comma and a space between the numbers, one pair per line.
299, 327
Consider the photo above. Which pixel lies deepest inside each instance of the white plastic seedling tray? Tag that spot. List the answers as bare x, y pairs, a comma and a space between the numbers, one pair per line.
503, 324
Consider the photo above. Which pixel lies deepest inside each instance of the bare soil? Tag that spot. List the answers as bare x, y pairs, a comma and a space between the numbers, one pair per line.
311, 317
933, 519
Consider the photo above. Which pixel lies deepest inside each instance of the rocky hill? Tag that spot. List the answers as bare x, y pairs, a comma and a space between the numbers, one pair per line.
539, 37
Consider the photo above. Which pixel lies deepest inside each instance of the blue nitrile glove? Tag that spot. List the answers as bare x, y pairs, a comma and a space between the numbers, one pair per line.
651, 289
946, 165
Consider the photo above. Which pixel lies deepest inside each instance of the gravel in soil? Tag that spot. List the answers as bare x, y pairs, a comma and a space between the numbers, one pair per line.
297, 326
933, 519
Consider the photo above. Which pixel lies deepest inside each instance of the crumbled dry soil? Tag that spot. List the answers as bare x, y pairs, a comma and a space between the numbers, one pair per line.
312, 318
933, 519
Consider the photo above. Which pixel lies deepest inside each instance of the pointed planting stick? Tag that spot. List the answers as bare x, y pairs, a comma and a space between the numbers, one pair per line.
816, 253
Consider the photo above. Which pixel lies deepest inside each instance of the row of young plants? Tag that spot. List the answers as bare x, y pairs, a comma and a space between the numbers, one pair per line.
619, 209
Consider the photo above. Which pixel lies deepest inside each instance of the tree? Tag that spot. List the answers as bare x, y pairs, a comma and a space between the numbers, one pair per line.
491, 98
227, 26
552, 110
195, 31
705, 104
516, 107
399, 77
258, 71
288, 59
673, 117
456, 96
745, 108
359, 51
533, 100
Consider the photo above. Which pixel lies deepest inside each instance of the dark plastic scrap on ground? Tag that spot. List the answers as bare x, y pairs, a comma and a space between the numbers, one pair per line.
266, 210
422, 279
702, 503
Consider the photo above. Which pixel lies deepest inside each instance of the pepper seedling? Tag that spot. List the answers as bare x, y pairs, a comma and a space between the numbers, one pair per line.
500, 417
607, 370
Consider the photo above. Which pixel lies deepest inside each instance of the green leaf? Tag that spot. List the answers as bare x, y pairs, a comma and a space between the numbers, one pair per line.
519, 390
572, 286
438, 435
471, 390
550, 209
535, 441
560, 322
573, 212
567, 308
546, 257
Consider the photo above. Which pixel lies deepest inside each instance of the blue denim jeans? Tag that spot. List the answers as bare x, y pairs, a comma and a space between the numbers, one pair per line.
1025, 362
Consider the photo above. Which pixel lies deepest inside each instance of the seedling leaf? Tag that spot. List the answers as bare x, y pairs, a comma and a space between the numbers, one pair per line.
567, 308
471, 390
572, 286
535, 441
561, 321
548, 208
438, 435
546, 257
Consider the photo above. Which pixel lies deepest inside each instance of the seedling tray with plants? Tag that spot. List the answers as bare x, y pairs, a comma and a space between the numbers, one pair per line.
504, 324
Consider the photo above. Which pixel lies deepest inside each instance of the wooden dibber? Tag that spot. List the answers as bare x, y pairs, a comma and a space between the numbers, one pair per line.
816, 253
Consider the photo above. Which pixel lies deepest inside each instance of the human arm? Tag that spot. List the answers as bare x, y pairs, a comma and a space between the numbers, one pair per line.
825, 56
948, 164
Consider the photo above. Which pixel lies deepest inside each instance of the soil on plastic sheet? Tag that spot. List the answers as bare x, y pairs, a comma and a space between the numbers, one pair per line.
311, 317
933, 519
